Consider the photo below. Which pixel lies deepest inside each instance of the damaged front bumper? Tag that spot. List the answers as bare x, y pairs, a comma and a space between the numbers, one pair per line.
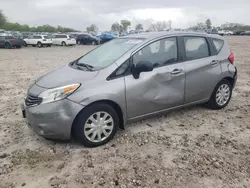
52, 120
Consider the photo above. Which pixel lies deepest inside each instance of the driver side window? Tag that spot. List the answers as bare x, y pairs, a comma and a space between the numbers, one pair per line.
159, 53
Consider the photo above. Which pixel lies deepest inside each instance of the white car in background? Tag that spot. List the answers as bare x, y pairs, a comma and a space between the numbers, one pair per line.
225, 32
38, 40
63, 40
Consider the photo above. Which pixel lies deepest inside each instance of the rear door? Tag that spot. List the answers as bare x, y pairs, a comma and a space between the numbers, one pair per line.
203, 69
161, 88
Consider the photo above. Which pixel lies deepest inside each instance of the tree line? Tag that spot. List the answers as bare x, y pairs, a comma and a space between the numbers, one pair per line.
9, 26
120, 27
226, 26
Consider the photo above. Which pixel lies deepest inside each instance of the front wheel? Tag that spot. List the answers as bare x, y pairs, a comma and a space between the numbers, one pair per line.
63, 43
221, 95
96, 125
39, 44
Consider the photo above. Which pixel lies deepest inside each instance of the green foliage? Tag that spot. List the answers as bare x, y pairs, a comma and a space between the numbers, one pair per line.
208, 24
92, 28
125, 24
3, 19
9, 26
139, 27
235, 26
116, 27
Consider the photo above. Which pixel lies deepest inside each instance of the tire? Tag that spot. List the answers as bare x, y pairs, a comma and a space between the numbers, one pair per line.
63, 43
7, 45
19, 46
213, 103
80, 125
24, 44
93, 43
39, 44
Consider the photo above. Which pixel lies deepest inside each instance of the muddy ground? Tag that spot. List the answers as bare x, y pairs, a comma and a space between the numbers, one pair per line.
194, 147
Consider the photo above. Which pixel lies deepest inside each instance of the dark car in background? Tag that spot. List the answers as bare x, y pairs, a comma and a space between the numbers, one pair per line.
238, 32
87, 39
10, 42
245, 33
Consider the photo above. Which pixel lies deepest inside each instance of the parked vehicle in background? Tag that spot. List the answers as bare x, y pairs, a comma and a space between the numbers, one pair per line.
63, 40
130, 78
10, 42
87, 39
212, 31
245, 33
105, 37
238, 32
38, 40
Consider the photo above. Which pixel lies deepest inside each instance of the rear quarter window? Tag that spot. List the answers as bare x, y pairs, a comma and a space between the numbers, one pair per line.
218, 44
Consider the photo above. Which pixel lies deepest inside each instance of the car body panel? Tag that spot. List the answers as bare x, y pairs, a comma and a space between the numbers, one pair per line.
155, 91
54, 79
53, 120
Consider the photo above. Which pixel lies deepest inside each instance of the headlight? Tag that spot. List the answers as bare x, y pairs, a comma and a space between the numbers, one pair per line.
59, 93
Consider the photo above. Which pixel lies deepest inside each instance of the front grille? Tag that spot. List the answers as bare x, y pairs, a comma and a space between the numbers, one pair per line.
32, 100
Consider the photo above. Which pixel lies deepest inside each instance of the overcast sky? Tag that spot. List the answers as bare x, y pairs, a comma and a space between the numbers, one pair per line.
79, 14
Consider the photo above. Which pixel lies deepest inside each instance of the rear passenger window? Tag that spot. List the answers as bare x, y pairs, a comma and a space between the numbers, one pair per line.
196, 48
218, 44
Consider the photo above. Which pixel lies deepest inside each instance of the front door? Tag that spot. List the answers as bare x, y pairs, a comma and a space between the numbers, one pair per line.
161, 88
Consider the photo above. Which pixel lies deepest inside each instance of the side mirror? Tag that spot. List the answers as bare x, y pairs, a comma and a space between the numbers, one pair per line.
142, 66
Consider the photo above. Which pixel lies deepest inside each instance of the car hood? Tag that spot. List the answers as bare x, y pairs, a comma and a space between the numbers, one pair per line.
64, 76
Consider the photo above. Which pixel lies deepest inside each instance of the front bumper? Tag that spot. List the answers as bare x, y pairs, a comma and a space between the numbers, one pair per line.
52, 120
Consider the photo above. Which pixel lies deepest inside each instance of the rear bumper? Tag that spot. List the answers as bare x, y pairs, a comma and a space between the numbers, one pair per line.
70, 42
46, 43
52, 120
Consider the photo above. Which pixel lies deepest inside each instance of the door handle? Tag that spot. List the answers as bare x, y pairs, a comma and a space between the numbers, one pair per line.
214, 62
176, 71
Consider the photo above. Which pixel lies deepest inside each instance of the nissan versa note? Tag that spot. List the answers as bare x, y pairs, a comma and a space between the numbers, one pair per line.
130, 78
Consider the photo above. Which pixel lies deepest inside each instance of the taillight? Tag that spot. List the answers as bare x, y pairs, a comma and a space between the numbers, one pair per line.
231, 57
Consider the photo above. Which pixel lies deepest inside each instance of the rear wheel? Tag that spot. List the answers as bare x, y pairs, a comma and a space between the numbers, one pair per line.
221, 95
96, 125
7, 45
63, 43
39, 44
19, 46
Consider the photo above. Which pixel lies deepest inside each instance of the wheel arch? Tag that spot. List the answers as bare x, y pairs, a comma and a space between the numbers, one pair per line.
105, 101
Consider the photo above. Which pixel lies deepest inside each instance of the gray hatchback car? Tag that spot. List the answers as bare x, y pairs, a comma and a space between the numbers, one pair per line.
130, 78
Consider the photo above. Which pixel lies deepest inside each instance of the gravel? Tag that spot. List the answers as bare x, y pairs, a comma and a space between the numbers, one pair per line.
191, 147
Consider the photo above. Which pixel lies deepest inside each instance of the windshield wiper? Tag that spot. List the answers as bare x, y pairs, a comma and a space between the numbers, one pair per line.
89, 67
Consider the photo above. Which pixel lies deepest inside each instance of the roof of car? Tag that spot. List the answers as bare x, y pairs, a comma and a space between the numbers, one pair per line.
152, 35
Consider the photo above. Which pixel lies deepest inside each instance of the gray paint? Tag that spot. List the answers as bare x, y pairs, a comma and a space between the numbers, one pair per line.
154, 92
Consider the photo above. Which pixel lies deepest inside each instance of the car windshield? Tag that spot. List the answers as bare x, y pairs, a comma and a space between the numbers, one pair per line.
109, 52
9, 37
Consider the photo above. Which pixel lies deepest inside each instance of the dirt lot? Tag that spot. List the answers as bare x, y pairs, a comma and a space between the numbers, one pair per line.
193, 147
